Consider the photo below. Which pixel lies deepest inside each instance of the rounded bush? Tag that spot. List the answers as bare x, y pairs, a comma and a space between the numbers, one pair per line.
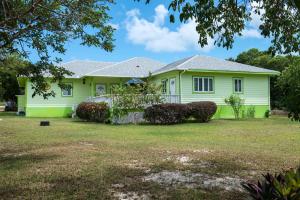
95, 112
166, 113
202, 111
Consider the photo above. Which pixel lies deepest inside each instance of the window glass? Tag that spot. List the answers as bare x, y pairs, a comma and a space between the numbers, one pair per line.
206, 84
68, 90
164, 86
211, 85
203, 84
238, 85
196, 84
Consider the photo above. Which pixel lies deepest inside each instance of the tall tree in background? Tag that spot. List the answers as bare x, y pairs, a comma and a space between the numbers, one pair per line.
223, 20
9, 70
46, 25
289, 83
266, 60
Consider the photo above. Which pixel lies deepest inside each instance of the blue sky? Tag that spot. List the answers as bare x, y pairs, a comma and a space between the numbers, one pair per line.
145, 30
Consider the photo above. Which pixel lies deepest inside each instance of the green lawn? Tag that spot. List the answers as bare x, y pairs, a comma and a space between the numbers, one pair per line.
77, 160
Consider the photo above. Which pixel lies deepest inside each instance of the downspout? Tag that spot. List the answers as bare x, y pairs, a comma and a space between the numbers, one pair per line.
180, 84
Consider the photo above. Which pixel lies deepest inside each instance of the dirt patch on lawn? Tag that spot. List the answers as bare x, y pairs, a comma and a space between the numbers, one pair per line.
195, 180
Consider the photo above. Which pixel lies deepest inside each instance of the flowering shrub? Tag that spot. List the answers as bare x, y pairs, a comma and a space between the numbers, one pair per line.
95, 112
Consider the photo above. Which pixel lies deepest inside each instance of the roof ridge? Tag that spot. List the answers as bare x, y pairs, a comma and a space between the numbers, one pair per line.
109, 66
188, 60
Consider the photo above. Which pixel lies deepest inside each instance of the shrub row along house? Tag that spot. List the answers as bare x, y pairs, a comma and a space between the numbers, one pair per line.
197, 78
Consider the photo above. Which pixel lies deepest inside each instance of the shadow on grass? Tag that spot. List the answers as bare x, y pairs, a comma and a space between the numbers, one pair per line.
10, 114
15, 161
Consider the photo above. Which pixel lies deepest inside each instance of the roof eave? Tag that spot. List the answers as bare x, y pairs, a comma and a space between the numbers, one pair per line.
235, 72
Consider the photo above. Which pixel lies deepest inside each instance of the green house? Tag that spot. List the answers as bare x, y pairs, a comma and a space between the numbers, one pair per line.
197, 78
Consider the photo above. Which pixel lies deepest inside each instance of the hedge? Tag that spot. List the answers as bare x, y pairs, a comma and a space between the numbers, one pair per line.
95, 112
166, 113
202, 111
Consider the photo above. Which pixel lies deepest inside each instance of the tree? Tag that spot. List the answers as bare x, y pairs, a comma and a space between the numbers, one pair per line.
9, 70
266, 60
223, 20
46, 25
236, 104
289, 83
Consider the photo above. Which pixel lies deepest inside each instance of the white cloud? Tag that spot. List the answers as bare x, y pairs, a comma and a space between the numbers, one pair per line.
252, 28
251, 33
115, 26
159, 38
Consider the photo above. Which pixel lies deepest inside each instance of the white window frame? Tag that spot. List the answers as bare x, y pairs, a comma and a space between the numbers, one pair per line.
241, 85
201, 80
71, 90
164, 86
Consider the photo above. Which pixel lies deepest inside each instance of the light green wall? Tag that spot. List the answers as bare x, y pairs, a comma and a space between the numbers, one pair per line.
256, 88
60, 106
21, 100
256, 93
107, 81
173, 74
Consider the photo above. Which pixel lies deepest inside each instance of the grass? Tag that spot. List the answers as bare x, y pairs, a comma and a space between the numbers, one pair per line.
76, 160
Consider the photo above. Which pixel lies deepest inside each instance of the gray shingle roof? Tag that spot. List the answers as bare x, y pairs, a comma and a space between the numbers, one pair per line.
138, 67
207, 63
82, 67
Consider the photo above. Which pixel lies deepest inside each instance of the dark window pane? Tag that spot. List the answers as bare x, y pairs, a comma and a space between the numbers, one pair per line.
240, 85
196, 84
211, 87
200, 84
205, 84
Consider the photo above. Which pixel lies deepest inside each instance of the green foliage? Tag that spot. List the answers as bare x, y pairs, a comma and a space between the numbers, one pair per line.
10, 68
236, 104
45, 26
134, 97
266, 60
202, 111
284, 186
267, 114
289, 83
169, 113
223, 20
250, 112
95, 112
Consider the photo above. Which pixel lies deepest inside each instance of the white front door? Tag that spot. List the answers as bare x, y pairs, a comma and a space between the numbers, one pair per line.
172, 90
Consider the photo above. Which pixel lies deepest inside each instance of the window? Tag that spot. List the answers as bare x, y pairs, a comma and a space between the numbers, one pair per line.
238, 85
100, 89
203, 84
164, 86
68, 90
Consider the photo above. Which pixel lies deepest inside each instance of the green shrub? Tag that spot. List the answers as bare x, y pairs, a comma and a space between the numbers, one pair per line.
283, 186
95, 112
236, 104
267, 114
167, 113
251, 112
202, 111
